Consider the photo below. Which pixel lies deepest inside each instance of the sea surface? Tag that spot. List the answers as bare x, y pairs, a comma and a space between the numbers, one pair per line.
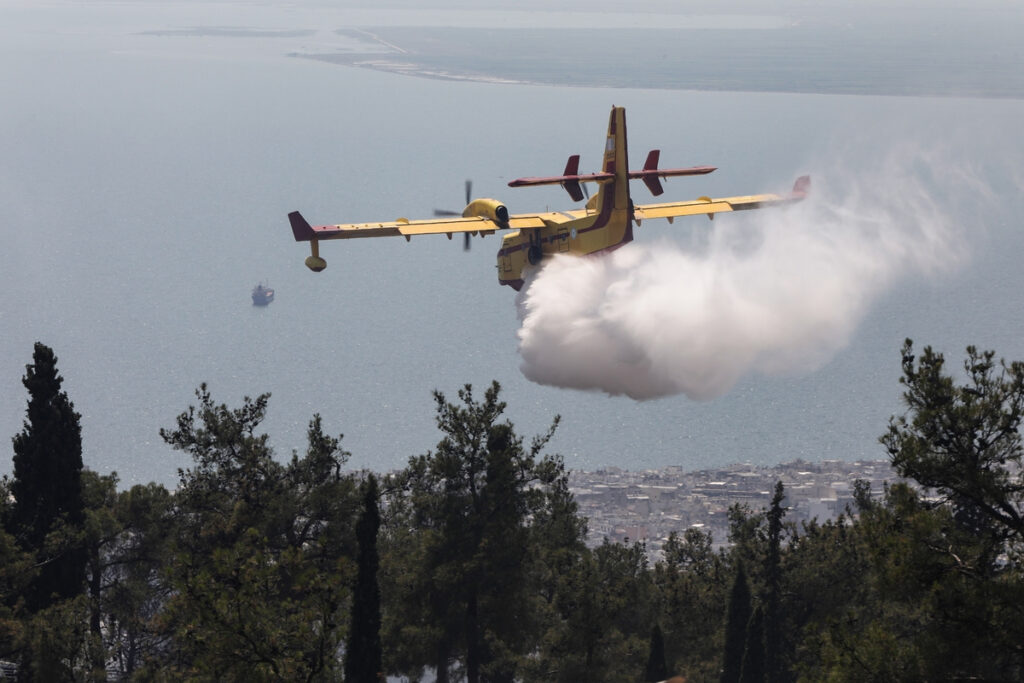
147, 169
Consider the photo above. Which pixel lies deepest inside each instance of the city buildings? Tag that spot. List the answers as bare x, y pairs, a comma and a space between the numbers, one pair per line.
649, 505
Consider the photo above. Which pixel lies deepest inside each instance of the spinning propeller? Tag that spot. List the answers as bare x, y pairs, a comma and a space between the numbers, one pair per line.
445, 212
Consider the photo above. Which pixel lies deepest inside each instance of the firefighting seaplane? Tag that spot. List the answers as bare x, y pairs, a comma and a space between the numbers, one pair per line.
605, 223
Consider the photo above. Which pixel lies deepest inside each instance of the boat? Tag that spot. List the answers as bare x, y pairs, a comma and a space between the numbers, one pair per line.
262, 295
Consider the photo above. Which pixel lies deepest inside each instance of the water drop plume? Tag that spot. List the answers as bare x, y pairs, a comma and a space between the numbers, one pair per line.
775, 291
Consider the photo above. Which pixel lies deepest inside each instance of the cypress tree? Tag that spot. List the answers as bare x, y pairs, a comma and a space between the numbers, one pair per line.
753, 657
736, 620
47, 484
657, 669
363, 654
773, 629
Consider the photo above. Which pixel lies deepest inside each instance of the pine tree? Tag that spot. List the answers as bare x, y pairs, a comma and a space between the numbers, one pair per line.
363, 656
47, 485
472, 506
964, 441
259, 549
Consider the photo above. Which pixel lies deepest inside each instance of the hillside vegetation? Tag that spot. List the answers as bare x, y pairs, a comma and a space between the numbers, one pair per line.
470, 563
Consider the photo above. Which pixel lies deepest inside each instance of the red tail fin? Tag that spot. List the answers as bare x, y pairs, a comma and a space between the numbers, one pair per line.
572, 183
651, 179
651, 174
300, 227
802, 186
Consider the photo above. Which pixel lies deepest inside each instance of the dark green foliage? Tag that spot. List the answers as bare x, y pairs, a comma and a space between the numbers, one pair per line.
736, 621
260, 569
926, 586
601, 626
15, 574
48, 513
101, 531
54, 642
473, 504
773, 656
753, 670
964, 441
262, 551
749, 539
692, 584
657, 669
759, 550
363, 657
824, 579
133, 564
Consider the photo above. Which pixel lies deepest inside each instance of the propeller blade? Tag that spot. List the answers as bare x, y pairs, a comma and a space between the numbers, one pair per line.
469, 198
445, 212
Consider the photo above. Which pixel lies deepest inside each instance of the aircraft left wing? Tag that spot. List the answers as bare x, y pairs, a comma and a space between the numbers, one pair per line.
304, 232
709, 206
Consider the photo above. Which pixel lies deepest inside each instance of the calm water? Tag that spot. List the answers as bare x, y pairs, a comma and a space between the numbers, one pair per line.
146, 180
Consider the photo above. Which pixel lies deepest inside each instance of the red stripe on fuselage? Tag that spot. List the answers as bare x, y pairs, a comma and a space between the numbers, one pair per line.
600, 221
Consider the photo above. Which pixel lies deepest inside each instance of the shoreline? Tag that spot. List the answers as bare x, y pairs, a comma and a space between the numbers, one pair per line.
415, 70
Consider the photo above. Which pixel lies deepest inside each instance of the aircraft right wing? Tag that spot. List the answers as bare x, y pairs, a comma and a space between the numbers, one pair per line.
709, 206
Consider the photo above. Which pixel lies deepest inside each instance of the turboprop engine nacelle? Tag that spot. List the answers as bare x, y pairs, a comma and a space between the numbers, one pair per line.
486, 208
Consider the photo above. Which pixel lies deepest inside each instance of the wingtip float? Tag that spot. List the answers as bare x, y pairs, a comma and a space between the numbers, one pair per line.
604, 223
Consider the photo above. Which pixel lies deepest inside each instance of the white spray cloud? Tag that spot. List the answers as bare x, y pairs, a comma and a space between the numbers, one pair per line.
773, 291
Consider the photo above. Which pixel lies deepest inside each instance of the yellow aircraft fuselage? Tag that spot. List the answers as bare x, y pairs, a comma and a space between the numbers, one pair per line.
605, 223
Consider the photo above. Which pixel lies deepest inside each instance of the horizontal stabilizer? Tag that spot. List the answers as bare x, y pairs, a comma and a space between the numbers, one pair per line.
570, 179
651, 174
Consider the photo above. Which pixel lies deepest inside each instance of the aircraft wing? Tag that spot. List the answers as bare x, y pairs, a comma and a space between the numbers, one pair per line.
709, 206
304, 232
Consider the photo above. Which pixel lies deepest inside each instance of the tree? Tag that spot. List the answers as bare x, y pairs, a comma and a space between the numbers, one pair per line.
16, 571
692, 584
263, 551
753, 670
736, 621
363, 657
927, 583
890, 627
558, 555
604, 605
826, 585
48, 512
134, 566
656, 669
464, 516
102, 530
127, 537
772, 627
964, 441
